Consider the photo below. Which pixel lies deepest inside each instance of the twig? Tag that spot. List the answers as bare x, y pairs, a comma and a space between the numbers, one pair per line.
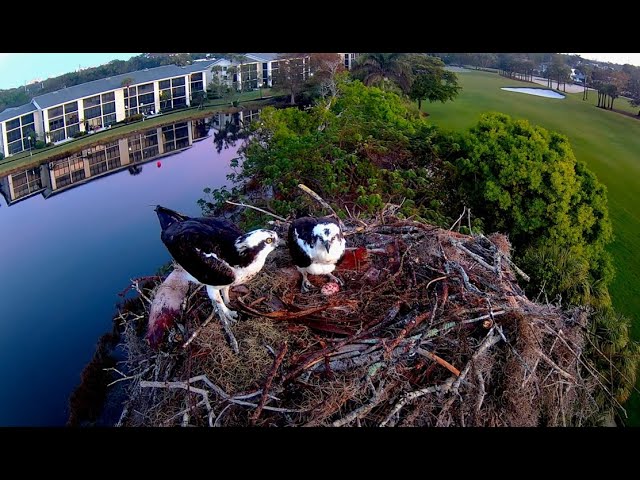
554, 365
515, 267
482, 392
319, 199
217, 422
198, 330
363, 410
469, 220
435, 280
137, 287
441, 361
185, 386
258, 209
459, 218
267, 385
490, 340
476, 257
465, 277
409, 397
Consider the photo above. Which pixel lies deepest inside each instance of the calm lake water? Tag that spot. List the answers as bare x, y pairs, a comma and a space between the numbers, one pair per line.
74, 241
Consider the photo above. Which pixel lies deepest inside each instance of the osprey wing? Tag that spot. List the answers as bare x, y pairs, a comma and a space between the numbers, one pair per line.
202, 250
301, 241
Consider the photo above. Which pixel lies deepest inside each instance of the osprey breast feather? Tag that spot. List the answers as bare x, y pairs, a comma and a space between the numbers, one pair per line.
316, 246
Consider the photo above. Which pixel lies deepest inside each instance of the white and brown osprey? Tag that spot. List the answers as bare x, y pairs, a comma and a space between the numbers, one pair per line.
215, 253
316, 245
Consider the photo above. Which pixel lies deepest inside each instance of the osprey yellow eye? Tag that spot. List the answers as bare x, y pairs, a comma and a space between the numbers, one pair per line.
269, 240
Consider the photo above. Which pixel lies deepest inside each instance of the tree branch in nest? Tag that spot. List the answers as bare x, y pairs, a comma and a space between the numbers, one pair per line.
258, 209
267, 385
322, 202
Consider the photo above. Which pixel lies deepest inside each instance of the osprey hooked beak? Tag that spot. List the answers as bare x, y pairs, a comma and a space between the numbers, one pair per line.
326, 245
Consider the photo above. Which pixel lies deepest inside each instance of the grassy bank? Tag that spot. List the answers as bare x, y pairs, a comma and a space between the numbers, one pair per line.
607, 141
24, 159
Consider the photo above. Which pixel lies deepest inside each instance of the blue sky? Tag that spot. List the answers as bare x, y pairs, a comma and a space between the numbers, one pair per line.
16, 69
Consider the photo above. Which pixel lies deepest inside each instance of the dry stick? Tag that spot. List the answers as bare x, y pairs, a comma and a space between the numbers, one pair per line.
217, 422
482, 392
198, 330
137, 287
490, 340
591, 369
317, 356
465, 278
515, 267
416, 394
459, 218
441, 361
184, 386
267, 384
363, 410
258, 209
469, 220
319, 199
435, 280
476, 257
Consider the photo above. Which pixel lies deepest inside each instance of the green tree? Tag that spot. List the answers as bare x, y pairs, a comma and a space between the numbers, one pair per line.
379, 68
432, 82
525, 181
291, 74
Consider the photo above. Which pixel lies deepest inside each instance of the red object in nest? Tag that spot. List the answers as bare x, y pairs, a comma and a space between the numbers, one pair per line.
357, 259
159, 163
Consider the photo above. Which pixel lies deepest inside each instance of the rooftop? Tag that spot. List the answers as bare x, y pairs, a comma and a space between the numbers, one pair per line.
103, 85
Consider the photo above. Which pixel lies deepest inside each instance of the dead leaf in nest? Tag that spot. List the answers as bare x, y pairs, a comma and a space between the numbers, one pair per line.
357, 260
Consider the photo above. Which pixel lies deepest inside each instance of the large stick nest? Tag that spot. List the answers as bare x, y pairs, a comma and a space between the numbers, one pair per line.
431, 329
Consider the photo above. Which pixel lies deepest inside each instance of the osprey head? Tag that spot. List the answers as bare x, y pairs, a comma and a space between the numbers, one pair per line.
327, 233
257, 241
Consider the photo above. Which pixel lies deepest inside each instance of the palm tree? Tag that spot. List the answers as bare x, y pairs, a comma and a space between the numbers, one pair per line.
376, 68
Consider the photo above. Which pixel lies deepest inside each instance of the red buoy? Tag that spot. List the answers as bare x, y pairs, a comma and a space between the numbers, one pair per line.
159, 163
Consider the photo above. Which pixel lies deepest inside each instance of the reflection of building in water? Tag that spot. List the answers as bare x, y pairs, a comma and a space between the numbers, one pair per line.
99, 160
237, 119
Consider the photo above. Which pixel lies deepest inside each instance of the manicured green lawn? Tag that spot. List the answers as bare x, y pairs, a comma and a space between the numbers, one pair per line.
608, 142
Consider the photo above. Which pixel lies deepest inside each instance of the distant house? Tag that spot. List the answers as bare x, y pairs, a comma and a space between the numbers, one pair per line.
577, 76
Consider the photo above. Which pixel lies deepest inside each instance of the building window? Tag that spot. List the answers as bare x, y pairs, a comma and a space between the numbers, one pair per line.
92, 112
55, 112
27, 119
15, 147
13, 124
71, 107
146, 88
72, 130
56, 123
91, 102
108, 97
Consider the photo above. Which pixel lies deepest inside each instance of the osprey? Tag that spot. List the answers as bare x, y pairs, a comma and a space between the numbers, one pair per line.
215, 253
316, 245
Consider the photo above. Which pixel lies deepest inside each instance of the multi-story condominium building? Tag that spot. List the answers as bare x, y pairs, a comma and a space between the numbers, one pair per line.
58, 116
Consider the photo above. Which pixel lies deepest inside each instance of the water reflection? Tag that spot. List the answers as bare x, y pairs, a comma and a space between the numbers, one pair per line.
231, 127
129, 152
